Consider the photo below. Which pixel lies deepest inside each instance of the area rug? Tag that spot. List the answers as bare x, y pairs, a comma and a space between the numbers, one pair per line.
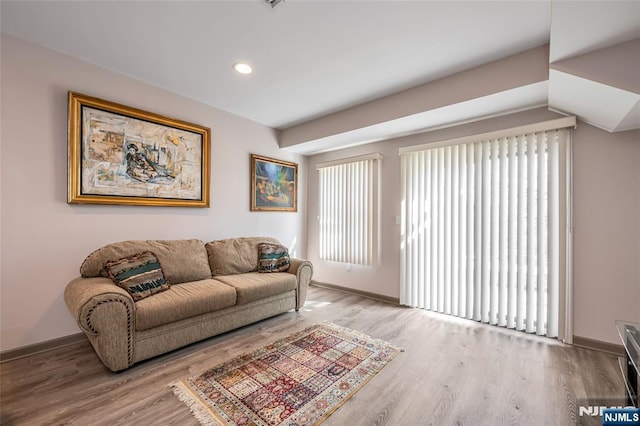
299, 380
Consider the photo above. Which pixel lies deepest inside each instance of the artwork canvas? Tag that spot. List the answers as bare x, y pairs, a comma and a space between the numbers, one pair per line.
121, 155
274, 185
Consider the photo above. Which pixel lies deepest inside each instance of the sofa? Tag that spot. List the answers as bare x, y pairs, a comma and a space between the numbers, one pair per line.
202, 290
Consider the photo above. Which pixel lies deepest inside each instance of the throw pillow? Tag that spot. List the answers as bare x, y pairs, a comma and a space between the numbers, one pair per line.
139, 274
273, 258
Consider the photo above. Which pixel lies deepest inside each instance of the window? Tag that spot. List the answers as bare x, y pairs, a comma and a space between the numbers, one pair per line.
349, 209
483, 230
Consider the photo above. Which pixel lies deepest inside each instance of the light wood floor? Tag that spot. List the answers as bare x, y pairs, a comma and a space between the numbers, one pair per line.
452, 372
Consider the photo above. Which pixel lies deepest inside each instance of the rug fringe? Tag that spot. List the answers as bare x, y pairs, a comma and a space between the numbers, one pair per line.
199, 411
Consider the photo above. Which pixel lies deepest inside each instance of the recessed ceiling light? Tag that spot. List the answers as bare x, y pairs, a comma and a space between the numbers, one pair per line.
242, 68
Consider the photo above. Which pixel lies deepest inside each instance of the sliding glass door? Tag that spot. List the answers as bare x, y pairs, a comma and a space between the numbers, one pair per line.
485, 230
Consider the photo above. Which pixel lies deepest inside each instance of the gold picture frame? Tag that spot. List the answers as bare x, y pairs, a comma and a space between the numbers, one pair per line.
274, 185
123, 155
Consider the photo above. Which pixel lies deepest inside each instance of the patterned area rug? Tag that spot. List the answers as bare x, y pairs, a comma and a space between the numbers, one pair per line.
299, 380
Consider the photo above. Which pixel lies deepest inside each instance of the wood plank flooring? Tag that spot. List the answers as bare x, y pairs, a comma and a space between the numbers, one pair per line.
452, 372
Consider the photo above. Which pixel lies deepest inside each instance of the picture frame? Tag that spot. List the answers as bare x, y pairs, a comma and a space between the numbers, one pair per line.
274, 185
126, 156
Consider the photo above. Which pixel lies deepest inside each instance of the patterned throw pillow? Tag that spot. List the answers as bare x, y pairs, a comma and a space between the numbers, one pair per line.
273, 258
140, 274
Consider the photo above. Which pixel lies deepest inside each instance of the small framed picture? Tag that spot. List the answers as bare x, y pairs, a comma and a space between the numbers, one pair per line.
274, 185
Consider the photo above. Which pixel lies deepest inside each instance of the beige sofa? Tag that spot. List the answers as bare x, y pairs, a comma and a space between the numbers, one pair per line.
214, 288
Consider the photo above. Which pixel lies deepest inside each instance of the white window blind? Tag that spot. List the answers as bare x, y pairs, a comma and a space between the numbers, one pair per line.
349, 209
483, 230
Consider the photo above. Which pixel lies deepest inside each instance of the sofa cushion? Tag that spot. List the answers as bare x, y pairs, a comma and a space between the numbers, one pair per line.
254, 285
140, 274
183, 301
181, 260
235, 255
273, 258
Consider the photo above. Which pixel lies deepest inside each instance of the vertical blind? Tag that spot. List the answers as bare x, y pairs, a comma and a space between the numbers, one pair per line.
349, 209
481, 230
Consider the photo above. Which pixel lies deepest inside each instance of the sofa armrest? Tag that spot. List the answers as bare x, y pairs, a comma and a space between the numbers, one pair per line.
303, 270
106, 315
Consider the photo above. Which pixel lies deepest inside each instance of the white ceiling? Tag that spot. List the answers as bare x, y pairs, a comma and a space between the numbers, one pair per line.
313, 58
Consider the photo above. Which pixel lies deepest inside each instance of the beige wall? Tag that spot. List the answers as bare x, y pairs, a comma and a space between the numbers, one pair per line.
607, 207
606, 231
44, 239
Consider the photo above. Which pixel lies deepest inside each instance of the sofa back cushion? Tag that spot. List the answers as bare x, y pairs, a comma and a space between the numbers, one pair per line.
181, 260
235, 255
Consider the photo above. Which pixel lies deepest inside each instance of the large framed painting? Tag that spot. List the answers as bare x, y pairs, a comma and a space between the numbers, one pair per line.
274, 185
123, 155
